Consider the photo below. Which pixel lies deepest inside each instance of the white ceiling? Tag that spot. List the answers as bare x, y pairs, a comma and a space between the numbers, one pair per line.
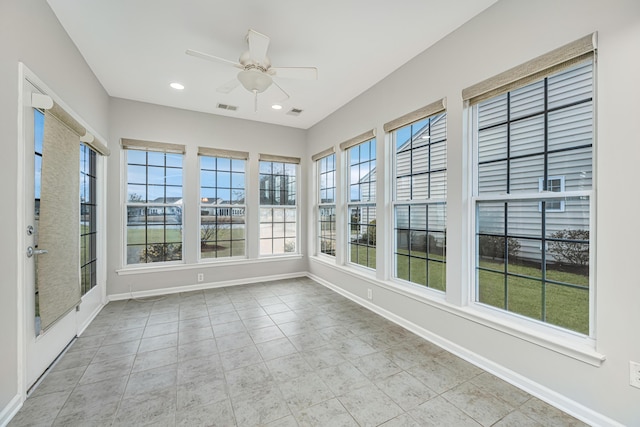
137, 47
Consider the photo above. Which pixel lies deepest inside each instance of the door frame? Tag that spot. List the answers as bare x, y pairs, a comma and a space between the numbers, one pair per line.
93, 301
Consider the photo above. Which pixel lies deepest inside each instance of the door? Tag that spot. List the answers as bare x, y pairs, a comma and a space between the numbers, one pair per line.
43, 342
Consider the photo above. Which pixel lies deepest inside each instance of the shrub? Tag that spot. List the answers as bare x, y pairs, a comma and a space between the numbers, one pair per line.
493, 247
160, 252
571, 250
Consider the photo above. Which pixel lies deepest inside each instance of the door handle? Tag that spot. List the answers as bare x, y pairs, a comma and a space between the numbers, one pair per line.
31, 252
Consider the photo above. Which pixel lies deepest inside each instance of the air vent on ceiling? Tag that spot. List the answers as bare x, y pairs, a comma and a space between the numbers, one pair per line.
294, 112
227, 107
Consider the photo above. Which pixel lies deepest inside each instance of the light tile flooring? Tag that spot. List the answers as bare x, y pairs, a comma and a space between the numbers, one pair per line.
282, 353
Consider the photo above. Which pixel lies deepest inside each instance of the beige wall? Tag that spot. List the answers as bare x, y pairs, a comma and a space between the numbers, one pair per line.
137, 120
30, 33
505, 35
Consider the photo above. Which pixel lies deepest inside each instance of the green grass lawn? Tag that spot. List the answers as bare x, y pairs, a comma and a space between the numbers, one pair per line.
559, 305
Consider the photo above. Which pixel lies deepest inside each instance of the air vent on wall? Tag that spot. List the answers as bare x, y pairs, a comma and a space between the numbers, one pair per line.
294, 112
227, 107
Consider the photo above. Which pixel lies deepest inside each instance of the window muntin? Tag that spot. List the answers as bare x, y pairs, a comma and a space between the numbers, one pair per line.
278, 208
362, 207
154, 206
222, 207
420, 162
326, 168
534, 181
88, 219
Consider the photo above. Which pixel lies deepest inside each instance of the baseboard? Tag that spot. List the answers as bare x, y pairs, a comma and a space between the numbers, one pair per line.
543, 393
10, 410
203, 286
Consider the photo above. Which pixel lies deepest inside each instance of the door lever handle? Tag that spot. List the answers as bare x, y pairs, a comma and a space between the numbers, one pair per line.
31, 252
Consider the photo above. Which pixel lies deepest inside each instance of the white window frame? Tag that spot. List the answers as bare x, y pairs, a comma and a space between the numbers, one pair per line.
295, 207
229, 206
320, 205
513, 317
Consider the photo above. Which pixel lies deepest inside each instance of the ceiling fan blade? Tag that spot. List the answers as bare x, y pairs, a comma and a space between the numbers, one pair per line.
258, 45
286, 95
300, 73
228, 86
212, 58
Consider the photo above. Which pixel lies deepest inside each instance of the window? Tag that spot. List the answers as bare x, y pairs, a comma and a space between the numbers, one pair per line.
420, 201
88, 219
278, 206
362, 206
153, 206
554, 184
533, 195
222, 207
326, 167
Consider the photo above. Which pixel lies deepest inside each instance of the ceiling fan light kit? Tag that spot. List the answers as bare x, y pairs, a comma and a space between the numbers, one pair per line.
254, 80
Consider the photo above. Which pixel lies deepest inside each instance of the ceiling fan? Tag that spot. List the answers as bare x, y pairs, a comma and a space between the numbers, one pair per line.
257, 73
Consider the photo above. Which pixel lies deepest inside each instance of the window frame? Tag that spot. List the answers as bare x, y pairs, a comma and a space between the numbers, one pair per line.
284, 206
91, 173
418, 202
325, 205
145, 205
360, 204
229, 206
542, 195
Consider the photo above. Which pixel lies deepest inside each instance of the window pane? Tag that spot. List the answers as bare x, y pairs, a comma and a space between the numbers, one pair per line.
154, 232
540, 262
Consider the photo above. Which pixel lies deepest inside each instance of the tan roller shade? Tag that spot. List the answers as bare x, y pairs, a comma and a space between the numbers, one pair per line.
58, 271
363, 137
216, 152
323, 153
162, 147
419, 114
275, 158
45, 102
556, 60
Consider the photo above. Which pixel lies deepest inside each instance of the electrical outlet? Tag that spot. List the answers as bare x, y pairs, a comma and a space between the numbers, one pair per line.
200, 277
369, 293
634, 374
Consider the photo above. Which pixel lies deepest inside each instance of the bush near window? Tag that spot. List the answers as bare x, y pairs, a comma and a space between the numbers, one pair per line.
160, 252
574, 252
493, 247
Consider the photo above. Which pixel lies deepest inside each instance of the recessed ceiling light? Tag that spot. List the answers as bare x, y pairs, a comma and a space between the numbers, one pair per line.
276, 107
177, 86
425, 137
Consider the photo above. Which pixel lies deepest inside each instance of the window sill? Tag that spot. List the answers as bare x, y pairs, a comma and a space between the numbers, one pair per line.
562, 341
204, 264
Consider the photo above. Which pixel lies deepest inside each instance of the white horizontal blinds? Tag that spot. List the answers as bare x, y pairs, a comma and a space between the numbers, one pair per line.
281, 159
358, 139
45, 102
323, 153
554, 61
519, 142
58, 273
217, 152
164, 147
421, 113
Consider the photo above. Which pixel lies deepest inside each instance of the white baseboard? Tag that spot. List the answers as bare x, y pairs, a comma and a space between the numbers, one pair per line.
543, 393
203, 286
9, 411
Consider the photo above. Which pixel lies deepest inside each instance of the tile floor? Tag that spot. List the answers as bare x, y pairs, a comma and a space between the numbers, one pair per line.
283, 353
